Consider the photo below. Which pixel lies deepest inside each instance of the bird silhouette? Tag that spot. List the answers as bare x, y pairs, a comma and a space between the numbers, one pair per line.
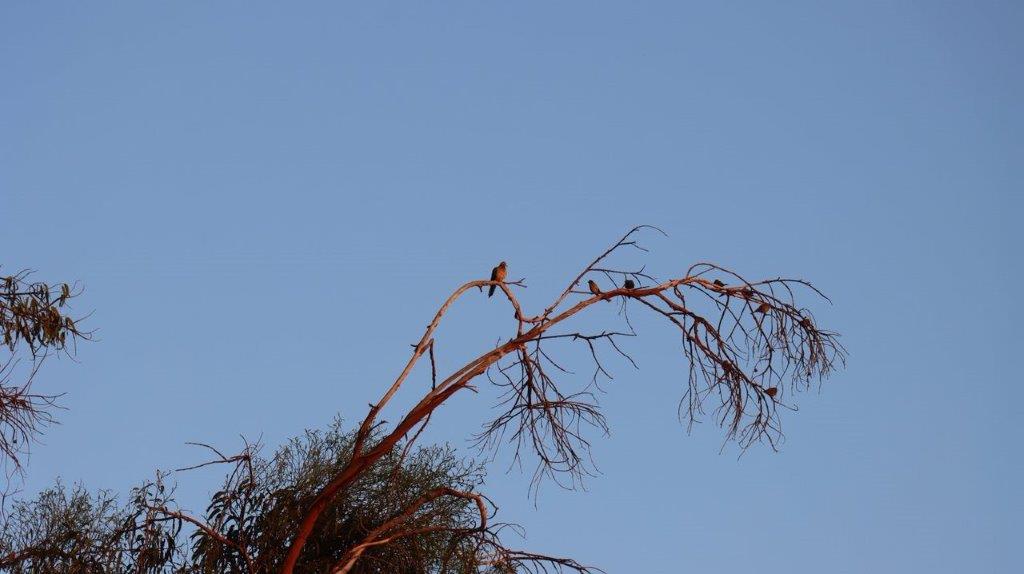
497, 274
628, 284
771, 391
763, 308
593, 287
718, 283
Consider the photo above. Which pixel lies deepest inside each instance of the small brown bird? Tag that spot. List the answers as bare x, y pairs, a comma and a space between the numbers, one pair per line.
593, 287
497, 274
763, 308
628, 284
718, 283
771, 391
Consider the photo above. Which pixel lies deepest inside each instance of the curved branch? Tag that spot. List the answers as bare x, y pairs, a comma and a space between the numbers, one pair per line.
742, 355
209, 531
380, 535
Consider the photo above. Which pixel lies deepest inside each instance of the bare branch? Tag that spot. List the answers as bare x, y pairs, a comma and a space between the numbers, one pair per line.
743, 340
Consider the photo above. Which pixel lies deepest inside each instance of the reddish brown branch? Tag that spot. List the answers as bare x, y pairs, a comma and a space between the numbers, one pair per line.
386, 532
754, 337
209, 531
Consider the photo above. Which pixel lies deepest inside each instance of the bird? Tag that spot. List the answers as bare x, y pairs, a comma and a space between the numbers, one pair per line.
763, 308
628, 284
497, 274
771, 391
593, 287
718, 283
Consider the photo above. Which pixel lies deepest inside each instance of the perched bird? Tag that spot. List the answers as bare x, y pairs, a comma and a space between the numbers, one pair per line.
718, 283
628, 284
771, 391
497, 274
763, 308
593, 287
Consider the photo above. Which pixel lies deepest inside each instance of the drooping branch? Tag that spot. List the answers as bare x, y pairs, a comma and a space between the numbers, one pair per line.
742, 340
207, 530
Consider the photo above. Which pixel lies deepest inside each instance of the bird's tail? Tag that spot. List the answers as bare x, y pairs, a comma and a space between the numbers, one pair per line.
491, 290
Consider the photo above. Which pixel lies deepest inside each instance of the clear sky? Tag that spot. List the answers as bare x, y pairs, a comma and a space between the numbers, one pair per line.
266, 201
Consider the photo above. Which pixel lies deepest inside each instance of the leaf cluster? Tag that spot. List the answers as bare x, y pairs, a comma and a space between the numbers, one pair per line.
34, 322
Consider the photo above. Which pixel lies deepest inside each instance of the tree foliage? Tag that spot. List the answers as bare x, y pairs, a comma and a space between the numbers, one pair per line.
252, 516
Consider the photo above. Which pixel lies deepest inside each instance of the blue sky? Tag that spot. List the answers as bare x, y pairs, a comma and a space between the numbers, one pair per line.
266, 201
